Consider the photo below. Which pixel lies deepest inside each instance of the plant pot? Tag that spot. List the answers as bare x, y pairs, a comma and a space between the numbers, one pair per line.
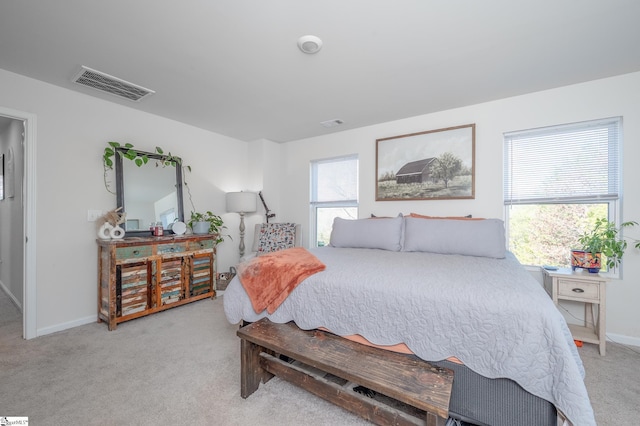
586, 260
200, 227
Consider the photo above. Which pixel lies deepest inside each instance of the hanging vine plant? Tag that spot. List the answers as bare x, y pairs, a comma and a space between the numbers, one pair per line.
128, 152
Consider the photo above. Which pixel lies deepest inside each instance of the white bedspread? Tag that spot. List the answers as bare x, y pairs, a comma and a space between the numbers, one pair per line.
489, 313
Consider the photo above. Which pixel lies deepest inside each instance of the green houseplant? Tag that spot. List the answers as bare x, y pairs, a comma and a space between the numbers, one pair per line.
128, 152
207, 223
603, 239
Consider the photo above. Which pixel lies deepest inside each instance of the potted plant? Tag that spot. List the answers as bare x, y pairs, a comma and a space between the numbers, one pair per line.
207, 223
603, 239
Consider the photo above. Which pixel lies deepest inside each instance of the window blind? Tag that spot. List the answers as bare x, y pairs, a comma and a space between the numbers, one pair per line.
335, 179
562, 164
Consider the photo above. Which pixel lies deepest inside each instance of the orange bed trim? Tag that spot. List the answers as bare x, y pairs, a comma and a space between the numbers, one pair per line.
399, 347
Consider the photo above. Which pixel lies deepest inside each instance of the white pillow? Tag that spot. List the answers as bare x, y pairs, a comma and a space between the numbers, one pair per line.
379, 233
484, 238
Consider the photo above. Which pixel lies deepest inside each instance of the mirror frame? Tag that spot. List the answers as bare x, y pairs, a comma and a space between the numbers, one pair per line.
120, 188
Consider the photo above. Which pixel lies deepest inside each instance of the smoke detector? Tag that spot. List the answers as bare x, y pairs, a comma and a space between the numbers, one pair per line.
109, 84
309, 44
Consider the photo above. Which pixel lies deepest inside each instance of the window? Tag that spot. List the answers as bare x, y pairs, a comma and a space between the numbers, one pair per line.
334, 193
557, 181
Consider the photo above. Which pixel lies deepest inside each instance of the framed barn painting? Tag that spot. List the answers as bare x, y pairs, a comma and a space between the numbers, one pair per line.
432, 165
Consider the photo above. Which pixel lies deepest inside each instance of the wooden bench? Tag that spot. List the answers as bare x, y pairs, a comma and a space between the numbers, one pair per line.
408, 390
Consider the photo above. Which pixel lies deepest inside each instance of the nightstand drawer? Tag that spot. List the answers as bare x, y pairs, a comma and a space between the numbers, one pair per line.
579, 289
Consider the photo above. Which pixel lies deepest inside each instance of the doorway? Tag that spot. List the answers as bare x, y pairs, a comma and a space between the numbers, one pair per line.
18, 155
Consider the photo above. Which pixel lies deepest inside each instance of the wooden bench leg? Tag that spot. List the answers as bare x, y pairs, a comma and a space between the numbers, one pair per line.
249, 368
251, 373
434, 420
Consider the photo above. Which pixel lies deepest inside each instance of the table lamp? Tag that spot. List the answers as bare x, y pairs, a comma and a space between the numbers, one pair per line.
241, 203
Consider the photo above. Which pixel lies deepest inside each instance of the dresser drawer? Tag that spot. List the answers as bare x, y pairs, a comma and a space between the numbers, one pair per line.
579, 289
135, 252
201, 245
171, 248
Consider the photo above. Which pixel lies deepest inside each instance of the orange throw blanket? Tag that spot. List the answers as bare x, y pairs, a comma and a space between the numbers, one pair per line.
270, 278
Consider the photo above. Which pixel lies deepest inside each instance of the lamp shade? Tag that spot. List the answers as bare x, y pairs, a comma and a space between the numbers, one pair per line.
241, 202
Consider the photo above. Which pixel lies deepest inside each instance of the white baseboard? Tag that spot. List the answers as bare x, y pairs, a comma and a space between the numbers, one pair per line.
625, 340
66, 325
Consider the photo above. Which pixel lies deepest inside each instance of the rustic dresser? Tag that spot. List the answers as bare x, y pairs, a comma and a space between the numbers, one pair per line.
139, 276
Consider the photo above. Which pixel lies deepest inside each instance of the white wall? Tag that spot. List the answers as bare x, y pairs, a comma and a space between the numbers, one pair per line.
73, 130
11, 218
603, 98
265, 169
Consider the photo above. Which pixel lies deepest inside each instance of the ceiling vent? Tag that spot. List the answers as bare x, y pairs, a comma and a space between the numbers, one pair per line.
107, 83
331, 123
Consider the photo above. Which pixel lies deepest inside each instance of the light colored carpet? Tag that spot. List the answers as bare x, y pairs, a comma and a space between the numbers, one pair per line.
182, 366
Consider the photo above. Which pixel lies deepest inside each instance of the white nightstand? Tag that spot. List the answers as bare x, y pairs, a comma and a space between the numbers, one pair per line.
581, 286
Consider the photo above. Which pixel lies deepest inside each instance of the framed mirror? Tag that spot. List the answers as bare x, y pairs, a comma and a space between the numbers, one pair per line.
148, 193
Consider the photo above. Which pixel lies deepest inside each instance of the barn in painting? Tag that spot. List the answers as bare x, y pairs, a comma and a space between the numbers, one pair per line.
416, 171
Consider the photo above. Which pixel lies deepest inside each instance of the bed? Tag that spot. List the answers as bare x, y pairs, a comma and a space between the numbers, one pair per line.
443, 288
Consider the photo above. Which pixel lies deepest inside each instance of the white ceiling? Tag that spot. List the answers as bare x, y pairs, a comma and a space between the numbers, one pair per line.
233, 67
